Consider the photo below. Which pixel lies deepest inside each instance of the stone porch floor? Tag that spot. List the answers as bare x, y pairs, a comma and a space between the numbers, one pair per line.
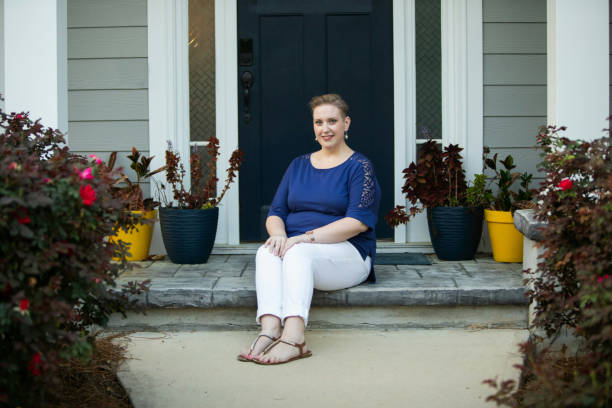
228, 281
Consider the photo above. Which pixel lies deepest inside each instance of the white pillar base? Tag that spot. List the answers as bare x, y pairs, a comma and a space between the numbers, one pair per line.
35, 60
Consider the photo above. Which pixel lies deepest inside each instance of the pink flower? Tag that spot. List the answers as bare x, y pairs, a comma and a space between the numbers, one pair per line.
18, 116
599, 279
95, 158
86, 174
47, 180
36, 364
88, 194
565, 184
13, 166
24, 304
24, 220
22, 216
606, 276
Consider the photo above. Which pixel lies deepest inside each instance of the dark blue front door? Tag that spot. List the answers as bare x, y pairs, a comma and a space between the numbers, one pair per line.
291, 50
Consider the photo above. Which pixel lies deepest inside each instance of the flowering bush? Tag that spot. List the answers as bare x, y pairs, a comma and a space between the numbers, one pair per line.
56, 211
572, 287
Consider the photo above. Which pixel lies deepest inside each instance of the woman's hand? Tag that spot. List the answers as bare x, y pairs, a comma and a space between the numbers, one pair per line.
276, 244
292, 241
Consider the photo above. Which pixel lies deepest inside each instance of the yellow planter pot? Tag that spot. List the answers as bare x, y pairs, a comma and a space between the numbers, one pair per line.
506, 240
138, 238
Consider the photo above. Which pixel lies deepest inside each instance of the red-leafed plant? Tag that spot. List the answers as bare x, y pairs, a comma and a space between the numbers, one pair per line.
436, 179
572, 288
202, 193
56, 211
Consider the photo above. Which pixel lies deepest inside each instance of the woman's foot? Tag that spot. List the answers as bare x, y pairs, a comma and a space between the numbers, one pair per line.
262, 341
283, 352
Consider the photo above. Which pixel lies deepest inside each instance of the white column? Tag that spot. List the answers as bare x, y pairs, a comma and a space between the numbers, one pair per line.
168, 59
35, 60
578, 66
2, 89
462, 79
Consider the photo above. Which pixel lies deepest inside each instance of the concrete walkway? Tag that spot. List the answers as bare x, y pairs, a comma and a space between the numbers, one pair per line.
422, 336
349, 368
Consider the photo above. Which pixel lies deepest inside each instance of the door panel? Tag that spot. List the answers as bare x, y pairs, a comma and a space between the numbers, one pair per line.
302, 49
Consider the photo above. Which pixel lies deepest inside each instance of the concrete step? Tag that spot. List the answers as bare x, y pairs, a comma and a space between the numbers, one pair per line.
221, 294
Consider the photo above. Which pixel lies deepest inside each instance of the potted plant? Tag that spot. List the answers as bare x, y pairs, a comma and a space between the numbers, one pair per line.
454, 211
506, 240
189, 221
138, 235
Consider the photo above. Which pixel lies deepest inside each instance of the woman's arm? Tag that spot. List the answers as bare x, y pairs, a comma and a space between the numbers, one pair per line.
337, 231
334, 232
278, 236
275, 225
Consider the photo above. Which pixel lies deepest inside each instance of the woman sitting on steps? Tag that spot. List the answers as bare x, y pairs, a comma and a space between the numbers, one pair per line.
321, 226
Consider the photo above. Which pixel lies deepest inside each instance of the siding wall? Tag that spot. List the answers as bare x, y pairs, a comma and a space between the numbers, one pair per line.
514, 34
107, 78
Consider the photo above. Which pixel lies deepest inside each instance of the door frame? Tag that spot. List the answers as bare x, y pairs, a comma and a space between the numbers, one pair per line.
462, 84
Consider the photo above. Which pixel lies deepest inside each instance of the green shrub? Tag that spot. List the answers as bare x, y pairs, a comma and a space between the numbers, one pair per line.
56, 276
504, 198
572, 287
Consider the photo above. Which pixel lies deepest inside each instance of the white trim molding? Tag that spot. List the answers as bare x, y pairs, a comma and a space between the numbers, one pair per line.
35, 60
404, 100
462, 80
226, 97
578, 73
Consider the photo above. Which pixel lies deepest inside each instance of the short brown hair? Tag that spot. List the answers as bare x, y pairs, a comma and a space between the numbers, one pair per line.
329, 99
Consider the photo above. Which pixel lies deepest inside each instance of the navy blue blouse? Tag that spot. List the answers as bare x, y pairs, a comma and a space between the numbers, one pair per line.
309, 198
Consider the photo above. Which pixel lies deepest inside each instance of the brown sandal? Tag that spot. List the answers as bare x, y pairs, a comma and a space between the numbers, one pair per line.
302, 354
249, 357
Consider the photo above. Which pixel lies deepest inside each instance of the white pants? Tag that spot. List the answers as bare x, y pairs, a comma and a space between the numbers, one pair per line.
285, 286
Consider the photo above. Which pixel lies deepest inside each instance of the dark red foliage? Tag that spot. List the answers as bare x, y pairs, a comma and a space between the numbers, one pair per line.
436, 179
199, 196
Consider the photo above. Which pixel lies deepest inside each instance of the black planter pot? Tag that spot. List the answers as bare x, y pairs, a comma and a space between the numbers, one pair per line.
188, 235
455, 231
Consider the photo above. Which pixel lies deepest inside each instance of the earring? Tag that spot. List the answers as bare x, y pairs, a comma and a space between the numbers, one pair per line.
346, 135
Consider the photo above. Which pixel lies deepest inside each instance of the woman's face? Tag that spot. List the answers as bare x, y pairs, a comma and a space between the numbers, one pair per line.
329, 126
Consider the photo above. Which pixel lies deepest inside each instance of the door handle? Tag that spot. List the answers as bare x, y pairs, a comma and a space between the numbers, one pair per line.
247, 80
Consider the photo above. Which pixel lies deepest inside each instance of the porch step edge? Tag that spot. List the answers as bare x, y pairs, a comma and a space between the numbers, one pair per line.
382, 247
375, 318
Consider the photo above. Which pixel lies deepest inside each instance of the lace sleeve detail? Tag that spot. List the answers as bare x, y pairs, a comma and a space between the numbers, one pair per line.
368, 191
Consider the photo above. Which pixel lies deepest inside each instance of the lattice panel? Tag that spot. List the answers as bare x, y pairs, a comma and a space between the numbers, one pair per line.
201, 69
428, 68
